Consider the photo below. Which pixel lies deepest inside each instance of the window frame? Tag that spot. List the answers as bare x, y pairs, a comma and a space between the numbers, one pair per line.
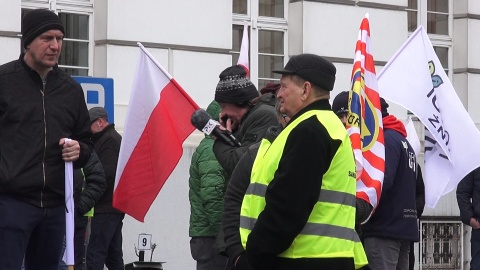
436, 39
258, 23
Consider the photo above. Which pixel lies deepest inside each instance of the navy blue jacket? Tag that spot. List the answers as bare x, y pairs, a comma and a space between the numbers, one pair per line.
396, 216
468, 198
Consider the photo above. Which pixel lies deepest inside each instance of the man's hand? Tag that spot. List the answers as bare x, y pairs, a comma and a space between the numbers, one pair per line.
225, 122
71, 149
474, 223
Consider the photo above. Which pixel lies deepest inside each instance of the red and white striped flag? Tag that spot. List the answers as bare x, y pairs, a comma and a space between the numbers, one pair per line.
364, 122
157, 124
243, 57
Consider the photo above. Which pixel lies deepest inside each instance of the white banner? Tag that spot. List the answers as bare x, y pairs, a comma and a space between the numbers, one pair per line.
412, 136
415, 79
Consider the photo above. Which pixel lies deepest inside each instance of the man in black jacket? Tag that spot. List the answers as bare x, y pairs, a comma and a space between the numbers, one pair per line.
40, 106
468, 196
105, 246
244, 113
302, 186
236, 189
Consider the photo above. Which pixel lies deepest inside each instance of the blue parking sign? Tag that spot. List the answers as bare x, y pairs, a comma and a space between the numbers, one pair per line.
98, 93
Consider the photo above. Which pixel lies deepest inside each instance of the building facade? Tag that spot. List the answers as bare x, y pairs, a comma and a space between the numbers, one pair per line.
196, 40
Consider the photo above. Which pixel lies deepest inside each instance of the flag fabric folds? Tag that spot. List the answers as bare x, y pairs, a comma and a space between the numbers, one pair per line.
415, 79
243, 57
364, 122
157, 123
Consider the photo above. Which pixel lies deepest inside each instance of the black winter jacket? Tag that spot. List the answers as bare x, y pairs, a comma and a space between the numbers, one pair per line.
89, 184
33, 118
107, 145
468, 198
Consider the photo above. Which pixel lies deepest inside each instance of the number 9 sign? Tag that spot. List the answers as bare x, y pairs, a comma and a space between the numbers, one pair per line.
144, 241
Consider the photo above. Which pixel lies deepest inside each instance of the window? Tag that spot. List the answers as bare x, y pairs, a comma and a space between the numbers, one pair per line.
76, 57
271, 8
441, 245
270, 55
267, 35
442, 53
240, 6
436, 17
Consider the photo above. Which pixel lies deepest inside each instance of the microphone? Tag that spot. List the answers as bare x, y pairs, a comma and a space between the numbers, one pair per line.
204, 122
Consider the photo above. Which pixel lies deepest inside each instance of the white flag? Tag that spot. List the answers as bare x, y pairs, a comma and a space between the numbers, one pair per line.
69, 255
243, 57
412, 136
414, 78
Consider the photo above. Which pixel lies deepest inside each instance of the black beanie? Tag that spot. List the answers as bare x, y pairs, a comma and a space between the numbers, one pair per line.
384, 106
340, 103
235, 87
38, 21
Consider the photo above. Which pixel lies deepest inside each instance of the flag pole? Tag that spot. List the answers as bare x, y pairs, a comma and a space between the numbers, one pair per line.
154, 61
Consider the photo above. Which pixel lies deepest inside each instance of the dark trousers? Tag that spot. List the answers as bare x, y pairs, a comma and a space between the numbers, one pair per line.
79, 241
203, 252
475, 249
105, 244
383, 253
32, 231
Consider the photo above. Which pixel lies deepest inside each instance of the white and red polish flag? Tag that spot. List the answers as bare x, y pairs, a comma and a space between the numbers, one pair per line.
243, 57
157, 124
364, 122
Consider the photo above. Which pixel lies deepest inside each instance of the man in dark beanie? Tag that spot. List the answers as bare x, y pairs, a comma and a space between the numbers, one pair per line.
340, 106
41, 106
38, 21
244, 113
299, 210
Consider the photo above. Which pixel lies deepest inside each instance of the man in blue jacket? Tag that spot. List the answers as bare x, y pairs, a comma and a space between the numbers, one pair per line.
393, 225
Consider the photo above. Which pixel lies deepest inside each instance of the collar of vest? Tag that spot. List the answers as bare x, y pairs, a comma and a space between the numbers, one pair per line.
321, 104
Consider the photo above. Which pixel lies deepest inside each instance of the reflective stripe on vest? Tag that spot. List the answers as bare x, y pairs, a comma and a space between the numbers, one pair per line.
329, 231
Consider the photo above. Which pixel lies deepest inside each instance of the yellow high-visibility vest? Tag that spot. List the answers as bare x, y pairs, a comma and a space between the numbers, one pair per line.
329, 231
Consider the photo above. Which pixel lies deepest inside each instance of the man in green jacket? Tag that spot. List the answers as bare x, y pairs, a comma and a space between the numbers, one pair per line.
207, 185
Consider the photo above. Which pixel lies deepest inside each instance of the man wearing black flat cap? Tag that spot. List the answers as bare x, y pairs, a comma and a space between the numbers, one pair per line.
299, 209
41, 106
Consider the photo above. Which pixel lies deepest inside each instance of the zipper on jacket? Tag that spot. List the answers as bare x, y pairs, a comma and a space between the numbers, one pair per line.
42, 91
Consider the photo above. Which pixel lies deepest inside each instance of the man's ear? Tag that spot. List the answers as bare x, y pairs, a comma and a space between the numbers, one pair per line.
307, 89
